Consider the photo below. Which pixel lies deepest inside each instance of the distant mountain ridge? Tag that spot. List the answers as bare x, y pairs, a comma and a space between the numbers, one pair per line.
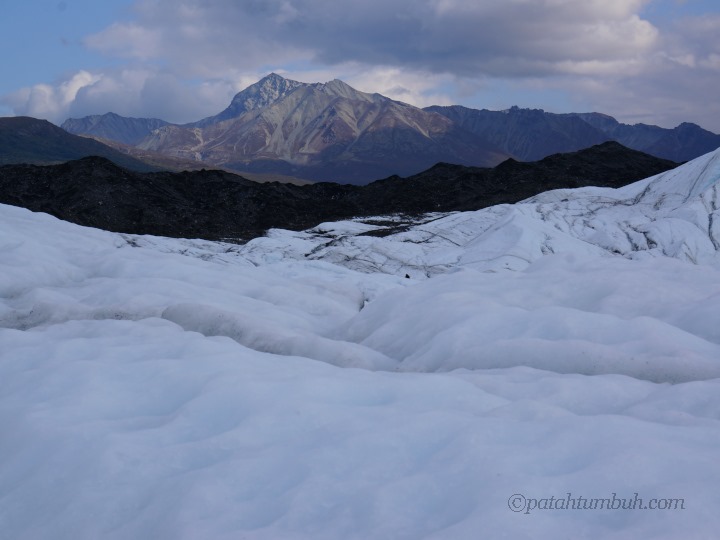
531, 134
682, 143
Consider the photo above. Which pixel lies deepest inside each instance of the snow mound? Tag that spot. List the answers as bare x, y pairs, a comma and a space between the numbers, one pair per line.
269, 336
130, 429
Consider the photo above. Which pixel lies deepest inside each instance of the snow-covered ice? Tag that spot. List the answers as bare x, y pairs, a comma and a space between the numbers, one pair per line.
300, 386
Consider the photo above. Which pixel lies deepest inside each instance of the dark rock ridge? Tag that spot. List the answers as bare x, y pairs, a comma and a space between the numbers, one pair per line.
29, 140
531, 134
221, 205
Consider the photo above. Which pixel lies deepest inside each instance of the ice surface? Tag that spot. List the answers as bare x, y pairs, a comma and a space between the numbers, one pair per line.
184, 389
655, 320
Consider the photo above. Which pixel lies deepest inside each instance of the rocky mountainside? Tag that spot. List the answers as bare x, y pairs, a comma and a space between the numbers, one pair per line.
321, 131
220, 205
526, 134
29, 140
531, 134
163, 162
266, 92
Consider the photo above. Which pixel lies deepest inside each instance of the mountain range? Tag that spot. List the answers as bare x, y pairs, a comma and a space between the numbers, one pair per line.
531, 134
218, 205
321, 131
26, 140
332, 132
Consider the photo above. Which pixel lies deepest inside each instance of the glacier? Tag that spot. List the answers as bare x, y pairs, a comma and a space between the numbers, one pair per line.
397, 377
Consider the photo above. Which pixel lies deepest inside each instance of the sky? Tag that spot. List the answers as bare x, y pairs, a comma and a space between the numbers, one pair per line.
650, 61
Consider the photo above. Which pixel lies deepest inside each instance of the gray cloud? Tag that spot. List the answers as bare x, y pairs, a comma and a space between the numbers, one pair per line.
494, 37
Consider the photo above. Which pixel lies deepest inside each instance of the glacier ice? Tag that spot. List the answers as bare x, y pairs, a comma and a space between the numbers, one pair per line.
300, 386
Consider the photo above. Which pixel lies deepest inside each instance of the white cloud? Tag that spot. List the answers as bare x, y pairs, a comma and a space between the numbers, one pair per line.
129, 92
418, 88
49, 101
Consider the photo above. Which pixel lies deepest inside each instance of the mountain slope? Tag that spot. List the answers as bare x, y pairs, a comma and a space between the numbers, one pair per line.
167, 163
531, 134
527, 134
265, 92
29, 140
113, 127
216, 204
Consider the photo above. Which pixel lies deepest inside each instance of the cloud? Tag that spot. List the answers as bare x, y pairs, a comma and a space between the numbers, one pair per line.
47, 101
418, 88
461, 37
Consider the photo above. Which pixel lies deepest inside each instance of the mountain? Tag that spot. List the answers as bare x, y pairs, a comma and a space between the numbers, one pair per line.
320, 131
113, 127
531, 134
29, 140
217, 204
682, 143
